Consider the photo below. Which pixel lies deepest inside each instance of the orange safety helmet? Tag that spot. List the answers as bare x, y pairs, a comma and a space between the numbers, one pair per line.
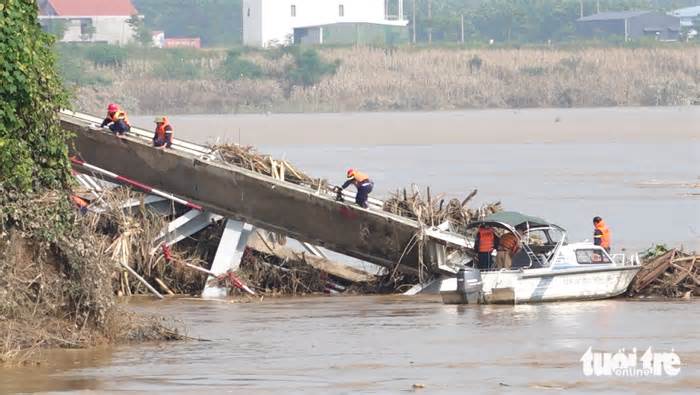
112, 107
351, 174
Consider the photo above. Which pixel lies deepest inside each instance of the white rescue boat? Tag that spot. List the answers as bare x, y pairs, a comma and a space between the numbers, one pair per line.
546, 268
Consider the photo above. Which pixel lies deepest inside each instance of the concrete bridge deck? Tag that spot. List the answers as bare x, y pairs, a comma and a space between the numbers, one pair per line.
301, 212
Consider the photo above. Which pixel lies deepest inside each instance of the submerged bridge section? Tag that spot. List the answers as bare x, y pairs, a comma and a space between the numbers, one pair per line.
309, 215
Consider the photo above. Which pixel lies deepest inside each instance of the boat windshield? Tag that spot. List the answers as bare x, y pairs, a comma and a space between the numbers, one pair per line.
542, 240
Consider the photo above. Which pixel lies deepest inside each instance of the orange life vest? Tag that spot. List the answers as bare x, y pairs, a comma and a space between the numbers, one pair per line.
509, 243
486, 239
360, 177
604, 236
160, 129
78, 201
119, 115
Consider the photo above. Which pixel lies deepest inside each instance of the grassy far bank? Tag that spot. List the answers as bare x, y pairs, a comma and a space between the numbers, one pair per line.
360, 78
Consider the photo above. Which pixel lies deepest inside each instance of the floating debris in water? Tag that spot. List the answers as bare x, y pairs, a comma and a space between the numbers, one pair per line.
672, 273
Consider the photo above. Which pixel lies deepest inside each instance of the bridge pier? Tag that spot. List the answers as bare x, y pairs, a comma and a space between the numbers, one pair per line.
228, 254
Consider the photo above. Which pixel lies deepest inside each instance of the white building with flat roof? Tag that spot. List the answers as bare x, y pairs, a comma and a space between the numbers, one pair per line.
90, 20
274, 22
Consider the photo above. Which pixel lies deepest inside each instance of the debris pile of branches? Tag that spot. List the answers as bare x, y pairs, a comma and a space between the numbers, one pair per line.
435, 210
671, 273
273, 276
133, 233
300, 274
269, 260
248, 158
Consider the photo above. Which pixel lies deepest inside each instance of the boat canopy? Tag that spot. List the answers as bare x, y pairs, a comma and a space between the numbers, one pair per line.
514, 219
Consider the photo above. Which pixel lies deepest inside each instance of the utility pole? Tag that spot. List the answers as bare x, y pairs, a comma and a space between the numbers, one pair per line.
461, 26
413, 22
580, 3
597, 6
430, 21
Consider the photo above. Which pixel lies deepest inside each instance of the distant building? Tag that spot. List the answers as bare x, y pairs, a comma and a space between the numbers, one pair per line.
90, 20
270, 22
688, 15
632, 25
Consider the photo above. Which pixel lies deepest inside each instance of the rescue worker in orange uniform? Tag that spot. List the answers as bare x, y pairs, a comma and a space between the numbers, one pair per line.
363, 184
601, 233
507, 247
486, 241
79, 203
163, 136
117, 120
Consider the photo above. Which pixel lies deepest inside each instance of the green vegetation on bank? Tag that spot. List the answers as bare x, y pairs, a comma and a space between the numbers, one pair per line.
55, 273
33, 151
35, 218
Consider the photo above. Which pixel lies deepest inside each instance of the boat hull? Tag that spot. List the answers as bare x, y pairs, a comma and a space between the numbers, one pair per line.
546, 285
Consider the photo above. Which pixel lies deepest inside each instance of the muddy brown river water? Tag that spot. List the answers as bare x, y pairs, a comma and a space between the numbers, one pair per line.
638, 167
382, 345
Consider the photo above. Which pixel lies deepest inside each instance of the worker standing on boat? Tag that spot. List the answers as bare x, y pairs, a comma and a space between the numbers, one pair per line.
601, 233
163, 137
117, 120
507, 247
484, 244
363, 184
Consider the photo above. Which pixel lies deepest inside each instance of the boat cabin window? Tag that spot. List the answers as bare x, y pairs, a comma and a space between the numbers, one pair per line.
591, 256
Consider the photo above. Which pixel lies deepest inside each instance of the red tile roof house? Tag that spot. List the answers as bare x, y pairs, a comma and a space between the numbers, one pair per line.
91, 20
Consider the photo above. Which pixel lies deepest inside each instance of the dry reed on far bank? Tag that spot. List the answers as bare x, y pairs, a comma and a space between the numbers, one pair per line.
432, 79
376, 79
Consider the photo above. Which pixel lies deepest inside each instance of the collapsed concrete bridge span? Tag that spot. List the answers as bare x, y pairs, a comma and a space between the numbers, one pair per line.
300, 211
